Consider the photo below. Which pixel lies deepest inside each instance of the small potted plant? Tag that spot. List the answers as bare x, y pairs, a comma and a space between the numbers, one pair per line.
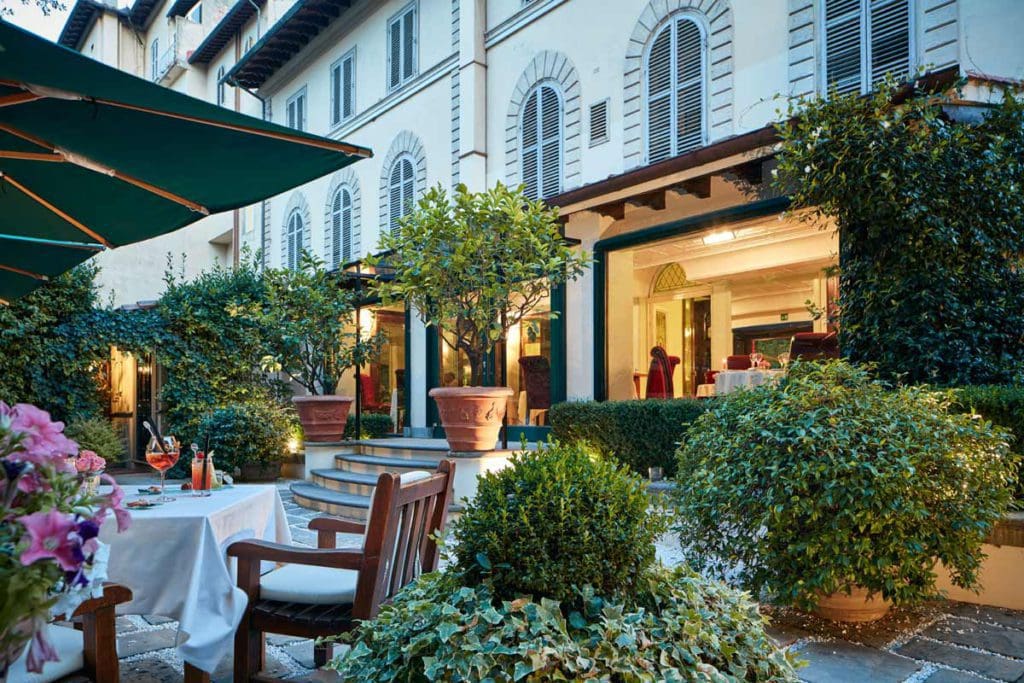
317, 341
90, 466
835, 492
474, 264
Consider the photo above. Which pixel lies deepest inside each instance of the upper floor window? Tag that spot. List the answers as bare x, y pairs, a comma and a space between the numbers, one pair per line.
542, 142
154, 58
294, 234
402, 45
674, 89
296, 110
221, 88
195, 15
401, 190
341, 226
864, 40
343, 88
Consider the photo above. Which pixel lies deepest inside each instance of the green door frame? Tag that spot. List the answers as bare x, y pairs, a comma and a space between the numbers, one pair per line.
655, 233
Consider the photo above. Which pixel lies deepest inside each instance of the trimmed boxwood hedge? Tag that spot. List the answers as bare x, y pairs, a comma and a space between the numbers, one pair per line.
639, 434
1002, 405
373, 426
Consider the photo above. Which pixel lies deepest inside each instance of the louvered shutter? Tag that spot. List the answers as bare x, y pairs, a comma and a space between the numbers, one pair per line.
348, 87
530, 148
551, 141
346, 225
890, 39
336, 229
395, 196
408, 44
336, 102
300, 112
659, 97
598, 122
843, 40
407, 186
294, 239
395, 53
690, 87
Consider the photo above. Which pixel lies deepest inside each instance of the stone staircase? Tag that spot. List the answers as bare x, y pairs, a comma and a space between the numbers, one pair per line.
344, 490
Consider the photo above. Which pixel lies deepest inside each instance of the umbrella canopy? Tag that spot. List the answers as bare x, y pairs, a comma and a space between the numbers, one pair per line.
92, 157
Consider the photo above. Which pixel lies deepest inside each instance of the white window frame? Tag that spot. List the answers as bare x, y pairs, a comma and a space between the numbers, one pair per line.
293, 259
398, 17
705, 51
338, 241
392, 224
337, 113
299, 95
866, 84
154, 58
533, 93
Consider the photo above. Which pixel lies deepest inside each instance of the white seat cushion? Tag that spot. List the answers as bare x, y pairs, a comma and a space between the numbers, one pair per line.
68, 644
309, 585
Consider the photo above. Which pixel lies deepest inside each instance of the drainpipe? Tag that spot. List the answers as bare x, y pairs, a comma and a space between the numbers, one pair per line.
259, 18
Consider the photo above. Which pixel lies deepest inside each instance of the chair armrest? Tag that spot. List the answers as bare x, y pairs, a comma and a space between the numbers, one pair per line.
338, 526
265, 551
113, 594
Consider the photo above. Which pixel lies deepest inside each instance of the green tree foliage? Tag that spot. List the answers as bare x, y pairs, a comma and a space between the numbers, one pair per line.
248, 433
832, 479
929, 211
98, 435
474, 263
557, 519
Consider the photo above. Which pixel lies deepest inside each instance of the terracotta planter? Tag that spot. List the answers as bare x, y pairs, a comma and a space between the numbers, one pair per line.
855, 606
471, 415
323, 418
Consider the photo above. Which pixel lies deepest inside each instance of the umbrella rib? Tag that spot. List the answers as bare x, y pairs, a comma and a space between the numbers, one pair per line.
19, 98
89, 164
53, 209
26, 273
31, 156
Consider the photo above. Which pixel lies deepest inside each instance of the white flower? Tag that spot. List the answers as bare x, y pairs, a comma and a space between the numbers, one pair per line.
807, 168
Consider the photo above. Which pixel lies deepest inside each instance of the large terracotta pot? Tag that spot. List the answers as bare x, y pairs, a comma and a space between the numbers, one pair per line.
323, 418
471, 415
854, 606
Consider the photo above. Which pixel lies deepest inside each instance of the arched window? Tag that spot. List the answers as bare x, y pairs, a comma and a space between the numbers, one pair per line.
542, 142
294, 236
674, 89
221, 96
401, 190
341, 226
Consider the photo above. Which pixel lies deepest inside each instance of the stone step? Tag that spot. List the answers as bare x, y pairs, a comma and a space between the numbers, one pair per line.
396, 448
349, 506
357, 483
373, 464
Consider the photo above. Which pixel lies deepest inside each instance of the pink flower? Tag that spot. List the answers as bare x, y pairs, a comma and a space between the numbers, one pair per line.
114, 500
40, 651
88, 462
43, 440
50, 534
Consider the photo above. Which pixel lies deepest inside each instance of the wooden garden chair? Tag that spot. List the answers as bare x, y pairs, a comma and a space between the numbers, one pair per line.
90, 648
326, 591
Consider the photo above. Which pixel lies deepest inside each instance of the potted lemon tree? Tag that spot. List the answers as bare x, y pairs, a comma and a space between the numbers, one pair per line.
316, 342
473, 264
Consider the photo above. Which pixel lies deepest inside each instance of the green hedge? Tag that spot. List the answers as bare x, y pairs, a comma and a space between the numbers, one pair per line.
1004, 406
639, 434
372, 426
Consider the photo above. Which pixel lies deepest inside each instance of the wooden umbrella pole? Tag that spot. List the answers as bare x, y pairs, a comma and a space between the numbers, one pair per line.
26, 273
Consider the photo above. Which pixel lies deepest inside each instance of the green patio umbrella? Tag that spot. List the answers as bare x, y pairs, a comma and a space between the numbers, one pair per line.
94, 158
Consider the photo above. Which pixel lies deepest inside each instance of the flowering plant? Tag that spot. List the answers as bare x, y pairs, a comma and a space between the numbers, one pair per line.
51, 559
89, 463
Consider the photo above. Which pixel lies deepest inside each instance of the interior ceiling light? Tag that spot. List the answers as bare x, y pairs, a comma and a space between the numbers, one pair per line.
719, 237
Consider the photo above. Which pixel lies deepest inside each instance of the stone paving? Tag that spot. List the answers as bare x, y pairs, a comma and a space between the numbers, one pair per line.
942, 642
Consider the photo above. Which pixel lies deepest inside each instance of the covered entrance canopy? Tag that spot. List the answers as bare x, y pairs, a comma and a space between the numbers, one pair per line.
92, 158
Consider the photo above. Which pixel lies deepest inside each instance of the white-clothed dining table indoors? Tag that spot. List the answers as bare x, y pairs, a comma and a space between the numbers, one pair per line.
727, 381
173, 557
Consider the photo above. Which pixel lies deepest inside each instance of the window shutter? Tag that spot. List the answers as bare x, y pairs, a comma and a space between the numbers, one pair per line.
407, 186
551, 141
530, 148
408, 44
395, 196
348, 84
890, 39
346, 225
336, 103
843, 59
659, 97
395, 53
336, 229
154, 57
300, 112
598, 122
690, 89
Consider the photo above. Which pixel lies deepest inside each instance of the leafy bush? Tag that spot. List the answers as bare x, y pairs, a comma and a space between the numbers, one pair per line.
97, 435
639, 434
555, 519
677, 627
832, 479
373, 426
244, 434
1003, 406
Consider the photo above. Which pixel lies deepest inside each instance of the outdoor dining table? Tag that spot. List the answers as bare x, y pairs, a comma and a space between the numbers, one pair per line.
173, 557
727, 381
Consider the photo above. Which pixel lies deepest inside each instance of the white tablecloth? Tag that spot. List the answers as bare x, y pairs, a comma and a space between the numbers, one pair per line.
727, 381
174, 559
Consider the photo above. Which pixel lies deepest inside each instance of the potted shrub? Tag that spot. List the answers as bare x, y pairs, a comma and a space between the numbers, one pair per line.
316, 342
473, 264
248, 440
836, 492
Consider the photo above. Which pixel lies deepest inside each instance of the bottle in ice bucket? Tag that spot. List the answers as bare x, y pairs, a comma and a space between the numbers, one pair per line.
202, 474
